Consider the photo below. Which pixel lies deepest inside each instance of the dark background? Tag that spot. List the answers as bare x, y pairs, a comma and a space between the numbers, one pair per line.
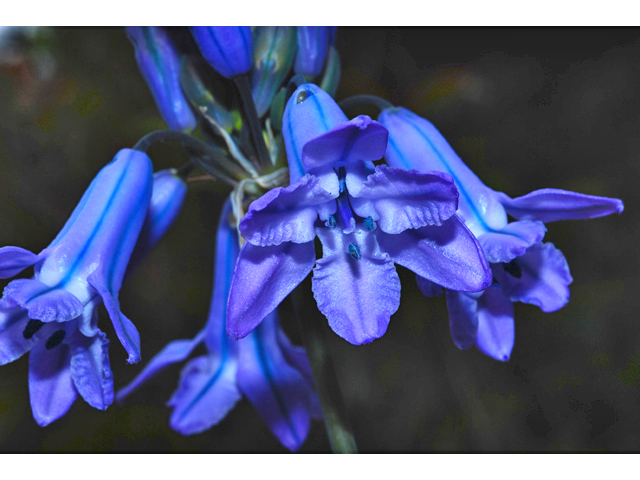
525, 108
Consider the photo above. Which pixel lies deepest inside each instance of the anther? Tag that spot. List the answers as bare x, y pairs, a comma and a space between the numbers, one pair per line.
331, 222
55, 339
354, 251
513, 269
369, 224
32, 327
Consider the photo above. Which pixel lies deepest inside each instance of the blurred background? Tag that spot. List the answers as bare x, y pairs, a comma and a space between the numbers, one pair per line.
524, 108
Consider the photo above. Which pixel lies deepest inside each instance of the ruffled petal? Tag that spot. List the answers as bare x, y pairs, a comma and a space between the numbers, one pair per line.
358, 296
12, 342
463, 318
403, 199
496, 330
512, 241
263, 277
91, 371
206, 393
448, 255
174, 352
540, 277
277, 391
551, 204
285, 214
43, 302
15, 259
51, 388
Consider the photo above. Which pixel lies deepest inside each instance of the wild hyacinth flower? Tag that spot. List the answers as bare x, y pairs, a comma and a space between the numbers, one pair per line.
366, 220
229, 50
79, 364
524, 269
313, 47
273, 374
159, 64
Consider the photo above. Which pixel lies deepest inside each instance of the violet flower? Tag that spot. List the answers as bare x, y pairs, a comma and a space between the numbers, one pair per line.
313, 48
273, 374
524, 269
229, 50
159, 64
366, 220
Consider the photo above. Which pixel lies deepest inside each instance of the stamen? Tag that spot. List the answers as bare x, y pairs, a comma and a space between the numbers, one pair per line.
354, 251
331, 222
55, 339
513, 269
369, 224
342, 177
32, 327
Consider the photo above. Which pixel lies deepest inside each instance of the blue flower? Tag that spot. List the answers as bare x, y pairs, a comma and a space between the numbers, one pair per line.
159, 64
271, 372
366, 219
524, 269
229, 50
313, 48
64, 360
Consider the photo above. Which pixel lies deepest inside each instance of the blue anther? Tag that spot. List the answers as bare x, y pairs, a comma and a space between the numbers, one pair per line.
331, 222
354, 251
369, 224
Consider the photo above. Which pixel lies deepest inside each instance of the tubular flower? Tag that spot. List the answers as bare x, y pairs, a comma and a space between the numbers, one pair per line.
229, 50
524, 269
313, 47
366, 219
159, 64
65, 362
274, 374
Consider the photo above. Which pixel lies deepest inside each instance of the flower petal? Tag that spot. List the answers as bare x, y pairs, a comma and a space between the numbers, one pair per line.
12, 342
428, 288
15, 259
551, 204
51, 388
91, 371
43, 302
358, 296
463, 318
174, 352
277, 391
403, 199
512, 241
448, 255
263, 277
496, 331
542, 279
206, 393
285, 214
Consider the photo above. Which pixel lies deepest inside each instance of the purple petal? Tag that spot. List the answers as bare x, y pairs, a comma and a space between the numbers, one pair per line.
91, 371
402, 199
358, 296
174, 352
448, 255
463, 318
41, 301
551, 204
12, 342
496, 331
541, 278
358, 139
15, 259
206, 393
125, 329
285, 214
428, 288
263, 277
277, 391
51, 388
512, 241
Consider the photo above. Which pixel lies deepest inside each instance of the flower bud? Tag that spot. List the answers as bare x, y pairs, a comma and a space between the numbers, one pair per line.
227, 49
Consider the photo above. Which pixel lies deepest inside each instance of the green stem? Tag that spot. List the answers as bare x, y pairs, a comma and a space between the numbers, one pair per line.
364, 100
313, 326
251, 115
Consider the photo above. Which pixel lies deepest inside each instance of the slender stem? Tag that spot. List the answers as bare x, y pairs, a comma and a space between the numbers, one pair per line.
251, 115
361, 100
313, 327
